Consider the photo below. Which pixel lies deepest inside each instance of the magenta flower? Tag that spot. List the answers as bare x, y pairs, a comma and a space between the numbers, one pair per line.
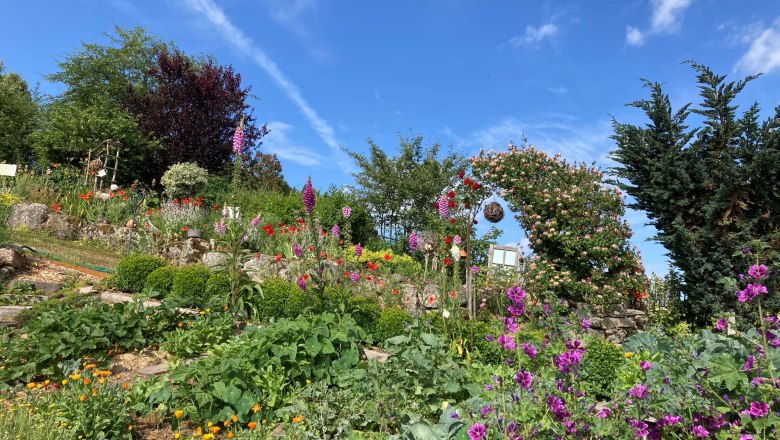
507, 341
700, 432
301, 283
751, 291
721, 324
639, 391
256, 221
746, 437
308, 196
346, 211
585, 323
758, 409
220, 227
529, 350
444, 207
670, 420
640, 427
524, 379
238, 139
354, 277
297, 250
515, 294
358, 250
645, 365
757, 271
510, 325
457, 240
604, 413
335, 231
474, 269
477, 431
748, 363
413, 241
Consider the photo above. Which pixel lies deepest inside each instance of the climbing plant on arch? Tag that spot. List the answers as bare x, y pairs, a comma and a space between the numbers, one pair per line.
574, 223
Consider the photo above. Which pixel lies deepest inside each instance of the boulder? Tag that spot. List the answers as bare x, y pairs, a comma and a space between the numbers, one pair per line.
64, 227
184, 252
114, 236
214, 260
10, 257
31, 216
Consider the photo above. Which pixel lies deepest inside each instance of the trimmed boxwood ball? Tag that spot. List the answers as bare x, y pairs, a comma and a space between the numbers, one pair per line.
365, 311
189, 285
392, 322
132, 271
334, 297
160, 281
298, 302
218, 286
600, 364
271, 302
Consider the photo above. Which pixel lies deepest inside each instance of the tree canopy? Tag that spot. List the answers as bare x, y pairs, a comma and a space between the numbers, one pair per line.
18, 111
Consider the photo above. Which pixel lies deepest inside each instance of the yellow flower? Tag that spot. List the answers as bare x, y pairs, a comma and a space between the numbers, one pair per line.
82, 398
628, 354
75, 376
101, 381
91, 367
199, 431
308, 381
256, 408
31, 385
176, 435
64, 381
178, 413
47, 381
130, 428
209, 424
208, 437
297, 419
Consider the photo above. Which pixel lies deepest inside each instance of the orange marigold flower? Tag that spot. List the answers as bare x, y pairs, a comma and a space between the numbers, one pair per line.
215, 429
252, 425
234, 418
297, 419
230, 434
178, 413
82, 398
256, 408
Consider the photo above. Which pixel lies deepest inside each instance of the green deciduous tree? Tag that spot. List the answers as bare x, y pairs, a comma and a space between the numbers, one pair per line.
708, 190
399, 190
18, 110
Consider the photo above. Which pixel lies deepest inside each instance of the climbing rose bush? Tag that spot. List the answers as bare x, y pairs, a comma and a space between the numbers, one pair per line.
574, 223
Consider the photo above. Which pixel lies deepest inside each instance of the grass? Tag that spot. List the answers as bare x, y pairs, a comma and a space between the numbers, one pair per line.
19, 421
73, 252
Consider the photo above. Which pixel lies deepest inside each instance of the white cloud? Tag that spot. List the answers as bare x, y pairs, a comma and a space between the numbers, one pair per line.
534, 35
244, 44
763, 55
278, 142
634, 37
290, 12
560, 90
666, 18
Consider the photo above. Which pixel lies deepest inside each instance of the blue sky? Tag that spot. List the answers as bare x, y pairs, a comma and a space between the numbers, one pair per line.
469, 74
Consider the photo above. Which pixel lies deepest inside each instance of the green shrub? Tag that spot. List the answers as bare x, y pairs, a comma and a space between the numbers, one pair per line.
270, 304
189, 285
392, 322
184, 179
198, 337
334, 297
160, 281
488, 352
218, 286
298, 301
132, 271
366, 312
600, 364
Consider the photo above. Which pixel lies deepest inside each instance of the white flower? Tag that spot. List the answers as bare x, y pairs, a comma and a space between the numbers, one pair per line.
455, 251
102, 173
445, 314
114, 187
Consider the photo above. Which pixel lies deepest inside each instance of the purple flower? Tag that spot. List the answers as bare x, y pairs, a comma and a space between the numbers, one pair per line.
751, 291
670, 420
546, 309
346, 211
335, 230
524, 378
721, 324
301, 283
474, 269
700, 432
358, 250
640, 427
297, 250
529, 350
556, 406
477, 431
485, 411
457, 240
413, 241
639, 391
489, 338
256, 221
585, 323
515, 294
454, 415
757, 271
220, 227
645, 365
748, 363
354, 277
746, 437
444, 207
507, 342
517, 309
238, 139
308, 196
510, 325
758, 409
604, 413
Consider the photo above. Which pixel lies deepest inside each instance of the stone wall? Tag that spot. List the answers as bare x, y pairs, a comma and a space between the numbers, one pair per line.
618, 323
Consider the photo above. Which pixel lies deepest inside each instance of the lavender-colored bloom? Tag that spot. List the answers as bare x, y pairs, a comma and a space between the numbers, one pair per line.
556, 406
700, 432
758, 409
746, 437
454, 415
748, 363
413, 241
604, 413
358, 250
670, 420
721, 324
308, 196
489, 337
645, 365
474, 269
297, 250
485, 411
640, 427
335, 231
639, 391
529, 350
256, 221
507, 341
354, 277
517, 309
457, 240
524, 378
510, 325
477, 431
546, 309
585, 323
757, 271
488, 387
301, 283
444, 207
515, 294
346, 211
745, 250
238, 140
220, 227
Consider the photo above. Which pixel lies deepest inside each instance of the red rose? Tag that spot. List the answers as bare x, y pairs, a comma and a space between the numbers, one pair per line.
475, 185
461, 174
467, 181
448, 239
447, 261
451, 194
452, 220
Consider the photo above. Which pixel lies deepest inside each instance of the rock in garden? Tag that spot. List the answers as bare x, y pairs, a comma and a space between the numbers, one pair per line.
214, 259
28, 215
43, 286
10, 257
8, 314
64, 227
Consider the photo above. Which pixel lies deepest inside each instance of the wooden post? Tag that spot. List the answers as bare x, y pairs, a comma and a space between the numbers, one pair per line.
86, 169
116, 165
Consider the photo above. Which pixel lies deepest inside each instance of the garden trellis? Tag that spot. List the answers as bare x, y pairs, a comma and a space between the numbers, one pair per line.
97, 163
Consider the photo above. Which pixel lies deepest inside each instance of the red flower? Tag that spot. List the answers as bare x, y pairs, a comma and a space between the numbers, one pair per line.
467, 205
447, 261
431, 299
292, 229
452, 220
278, 257
338, 262
124, 198
184, 228
216, 207
300, 221
200, 198
305, 277
149, 211
323, 233
453, 294
467, 181
452, 203
475, 185
387, 257
395, 291
448, 239
461, 174
121, 193
372, 265
435, 205
311, 248
175, 201
451, 194
369, 278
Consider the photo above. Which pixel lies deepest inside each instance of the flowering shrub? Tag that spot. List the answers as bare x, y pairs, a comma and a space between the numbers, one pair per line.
184, 179
573, 222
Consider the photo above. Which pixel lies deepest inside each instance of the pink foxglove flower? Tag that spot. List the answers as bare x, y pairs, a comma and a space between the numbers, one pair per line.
413, 241
444, 207
335, 231
358, 250
346, 211
238, 139
308, 196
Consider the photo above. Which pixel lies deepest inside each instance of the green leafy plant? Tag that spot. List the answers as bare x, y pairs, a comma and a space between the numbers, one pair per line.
270, 303
132, 271
198, 336
392, 322
218, 285
160, 281
184, 179
189, 286
600, 364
